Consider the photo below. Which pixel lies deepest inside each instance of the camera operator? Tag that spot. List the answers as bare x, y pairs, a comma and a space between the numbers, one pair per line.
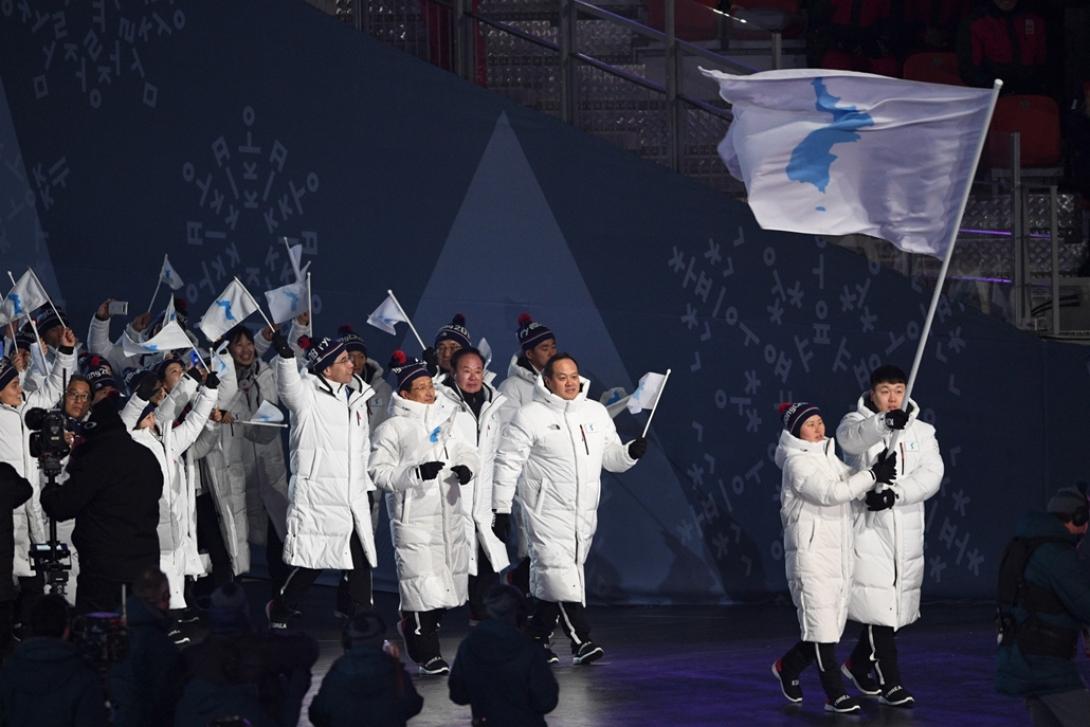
14, 491
28, 522
112, 491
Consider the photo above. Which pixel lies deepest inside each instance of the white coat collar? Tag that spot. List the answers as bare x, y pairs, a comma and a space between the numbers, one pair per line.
551, 400
862, 408
519, 371
790, 445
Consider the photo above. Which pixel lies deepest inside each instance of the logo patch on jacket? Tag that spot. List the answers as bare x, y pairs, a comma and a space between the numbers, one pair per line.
434, 436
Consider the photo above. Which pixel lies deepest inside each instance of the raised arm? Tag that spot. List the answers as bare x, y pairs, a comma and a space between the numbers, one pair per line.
857, 433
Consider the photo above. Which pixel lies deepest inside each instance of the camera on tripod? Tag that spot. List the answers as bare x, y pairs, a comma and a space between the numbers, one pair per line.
48, 445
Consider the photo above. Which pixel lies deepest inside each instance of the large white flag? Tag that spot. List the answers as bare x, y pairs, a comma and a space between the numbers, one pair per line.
170, 337
169, 275
232, 306
835, 152
647, 393
27, 295
268, 414
287, 301
387, 315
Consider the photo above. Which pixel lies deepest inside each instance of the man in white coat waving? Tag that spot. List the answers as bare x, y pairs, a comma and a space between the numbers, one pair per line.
558, 445
889, 538
329, 516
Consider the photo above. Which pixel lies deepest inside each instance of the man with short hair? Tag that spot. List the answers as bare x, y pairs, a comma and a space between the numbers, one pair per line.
1044, 600
500, 672
449, 339
537, 344
329, 515
889, 538
554, 451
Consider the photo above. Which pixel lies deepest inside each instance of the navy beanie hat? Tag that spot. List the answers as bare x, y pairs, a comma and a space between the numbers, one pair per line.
454, 331
406, 369
100, 374
322, 354
530, 332
8, 372
795, 415
351, 340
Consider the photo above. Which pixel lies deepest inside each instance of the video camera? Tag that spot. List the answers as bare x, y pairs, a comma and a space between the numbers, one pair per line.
48, 445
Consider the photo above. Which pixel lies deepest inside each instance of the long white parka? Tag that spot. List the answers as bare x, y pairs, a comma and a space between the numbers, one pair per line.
28, 519
329, 444
889, 566
559, 448
429, 523
518, 388
482, 433
816, 496
178, 554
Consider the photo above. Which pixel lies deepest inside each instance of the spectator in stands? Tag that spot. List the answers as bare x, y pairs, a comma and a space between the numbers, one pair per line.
499, 671
235, 671
1005, 39
368, 686
852, 35
46, 681
144, 685
932, 25
1077, 141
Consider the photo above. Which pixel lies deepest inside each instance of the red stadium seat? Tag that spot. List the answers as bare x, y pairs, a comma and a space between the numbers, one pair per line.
694, 20
933, 68
1037, 118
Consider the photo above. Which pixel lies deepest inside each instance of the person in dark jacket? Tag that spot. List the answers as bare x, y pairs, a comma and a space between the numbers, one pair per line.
1005, 39
500, 671
145, 685
14, 491
1039, 632
112, 491
368, 686
46, 682
235, 672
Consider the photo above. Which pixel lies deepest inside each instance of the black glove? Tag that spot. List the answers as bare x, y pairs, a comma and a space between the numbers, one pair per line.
464, 473
147, 387
885, 468
896, 418
211, 381
637, 447
194, 373
880, 500
429, 470
281, 345
431, 359
501, 525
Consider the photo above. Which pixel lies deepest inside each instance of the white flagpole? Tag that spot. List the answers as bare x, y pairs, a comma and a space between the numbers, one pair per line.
158, 284
256, 304
656, 404
291, 260
407, 319
47, 298
310, 305
264, 424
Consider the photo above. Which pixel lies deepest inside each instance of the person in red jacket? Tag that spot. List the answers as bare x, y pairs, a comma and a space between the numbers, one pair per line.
1004, 39
854, 35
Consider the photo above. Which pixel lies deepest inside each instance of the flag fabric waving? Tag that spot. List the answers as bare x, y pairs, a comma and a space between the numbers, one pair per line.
647, 393
287, 301
836, 152
230, 308
170, 338
27, 295
169, 275
387, 316
268, 414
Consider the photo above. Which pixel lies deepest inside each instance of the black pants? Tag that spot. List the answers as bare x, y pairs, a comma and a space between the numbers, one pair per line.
421, 632
300, 579
274, 558
7, 611
877, 647
94, 593
572, 617
31, 588
805, 653
519, 576
480, 585
210, 540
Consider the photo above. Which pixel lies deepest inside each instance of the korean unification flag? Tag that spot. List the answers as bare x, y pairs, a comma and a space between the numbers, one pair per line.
268, 414
836, 152
230, 308
386, 316
169, 275
27, 295
647, 393
287, 301
170, 338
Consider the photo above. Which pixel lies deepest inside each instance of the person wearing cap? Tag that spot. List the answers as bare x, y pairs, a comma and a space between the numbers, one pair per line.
178, 554
889, 544
450, 338
329, 511
537, 344
553, 453
1044, 601
367, 685
475, 421
816, 508
371, 373
423, 468
28, 520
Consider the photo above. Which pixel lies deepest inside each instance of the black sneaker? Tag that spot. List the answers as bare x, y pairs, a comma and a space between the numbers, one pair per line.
843, 704
792, 692
277, 616
588, 651
435, 666
863, 681
551, 657
897, 696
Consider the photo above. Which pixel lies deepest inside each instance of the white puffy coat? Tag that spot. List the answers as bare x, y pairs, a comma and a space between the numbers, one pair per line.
559, 448
483, 435
378, 408
330, 444
889, 566
178, 554
816, 496
429, 524
518, 388
28, 519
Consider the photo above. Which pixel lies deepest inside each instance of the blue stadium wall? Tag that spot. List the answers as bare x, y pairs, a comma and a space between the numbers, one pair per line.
209, 129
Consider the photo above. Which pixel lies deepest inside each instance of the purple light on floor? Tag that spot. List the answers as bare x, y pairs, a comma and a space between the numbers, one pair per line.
1002, 233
